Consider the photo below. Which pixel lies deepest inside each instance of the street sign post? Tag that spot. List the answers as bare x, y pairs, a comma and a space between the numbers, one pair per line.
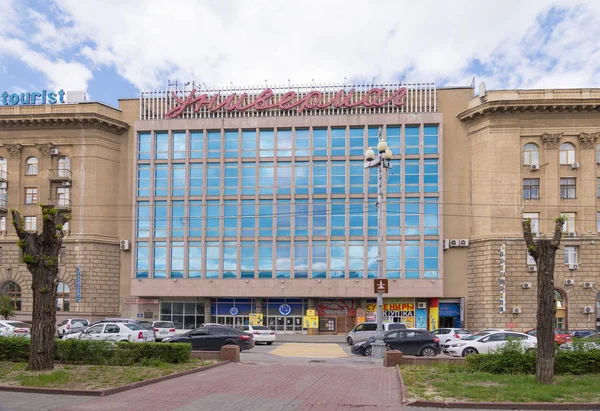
380, 285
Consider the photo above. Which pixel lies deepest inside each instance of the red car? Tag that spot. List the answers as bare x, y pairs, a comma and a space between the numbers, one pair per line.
560, 336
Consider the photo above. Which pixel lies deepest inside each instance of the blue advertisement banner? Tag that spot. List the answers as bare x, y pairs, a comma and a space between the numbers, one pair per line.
78, 285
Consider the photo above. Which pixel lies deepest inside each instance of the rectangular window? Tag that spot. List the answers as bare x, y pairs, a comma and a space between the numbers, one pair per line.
372, 259
266, 141
231, 143
319, 217
356, 217
531, 188
411, 176
196, 177
570, 255
230, 260
411, 140
142, 256
569, 225
31, 196
144, 146
431, 259
393, 259
412, 218
283, 261
213, 218
197, 144
177, 259
301, 259
247, 259
301, 177
392, 217
372, 135
161, 180
337, 259
302, 142
372, 218
63, 196
194, 259
179, 145
430, 139
394, 180
338, 141
265, 260
356, 259
357, 141
284, 217
30, 223
535, 221
161, 148
567, 187
411, 259
248, 178
159, 267
319, 142
372, 181
430, 216
338, 177
430, 175
248, 218
357, 177
178, 180
248, 143
177, 219
213, 258
265, 218
195, 218
161, 219
284, 142
319, 177
393, 139
231, 179
284, 178
338, 217
213, 179
214, 143
319, 259
230, 218
301, 218
530, 260
265, 181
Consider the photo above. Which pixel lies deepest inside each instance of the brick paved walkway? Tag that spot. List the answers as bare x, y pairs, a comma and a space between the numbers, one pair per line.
259, 387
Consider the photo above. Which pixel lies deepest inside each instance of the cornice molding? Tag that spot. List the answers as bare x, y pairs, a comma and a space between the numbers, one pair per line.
530, 106
64, 121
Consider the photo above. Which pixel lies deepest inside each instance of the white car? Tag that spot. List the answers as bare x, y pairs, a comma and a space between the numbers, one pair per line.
260, 333
67, 325
486, 342
114, 332
163, 329
14, 329
590, 342
450, 334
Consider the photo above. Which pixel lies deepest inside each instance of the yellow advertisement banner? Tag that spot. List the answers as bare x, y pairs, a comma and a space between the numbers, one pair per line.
255, 319
433, 319
310, 322
311, 313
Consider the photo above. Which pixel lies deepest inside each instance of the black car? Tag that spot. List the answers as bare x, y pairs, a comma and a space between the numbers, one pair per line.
410, 342
581, 333
213, 337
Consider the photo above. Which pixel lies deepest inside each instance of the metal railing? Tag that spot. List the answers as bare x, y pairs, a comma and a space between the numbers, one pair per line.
61, 174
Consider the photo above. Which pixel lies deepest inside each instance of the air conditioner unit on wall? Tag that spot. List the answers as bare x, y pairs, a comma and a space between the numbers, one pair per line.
516, 311
422, 305
572, 234
526, 285
446, 244
66, 184
54, 152
464, 242
573, 266
569, 281
532, 268
588, 310
124, 245
534, 167
454, 242
574, 165
588, 284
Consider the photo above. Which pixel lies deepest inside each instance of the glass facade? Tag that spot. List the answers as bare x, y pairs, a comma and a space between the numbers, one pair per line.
285, 203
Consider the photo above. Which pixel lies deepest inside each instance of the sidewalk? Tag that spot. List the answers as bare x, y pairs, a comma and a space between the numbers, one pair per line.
300, 338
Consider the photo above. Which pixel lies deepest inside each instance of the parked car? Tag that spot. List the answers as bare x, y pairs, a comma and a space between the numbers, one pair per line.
114, 332
589, 342
364, 331
64, 327
213, 337
581, 333
115, 320
486, 342
560, 336
451, 334
260, 332
163, 329
409, 341
10, 328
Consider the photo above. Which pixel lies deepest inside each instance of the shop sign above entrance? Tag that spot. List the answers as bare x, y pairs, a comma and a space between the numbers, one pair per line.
375, 97
285, 309
233, 311
135, 300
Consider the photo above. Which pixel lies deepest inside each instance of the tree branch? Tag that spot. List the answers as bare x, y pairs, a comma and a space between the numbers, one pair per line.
558, 230
531, 247
18, 224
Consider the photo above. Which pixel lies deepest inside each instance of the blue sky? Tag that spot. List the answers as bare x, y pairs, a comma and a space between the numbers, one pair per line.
113, 48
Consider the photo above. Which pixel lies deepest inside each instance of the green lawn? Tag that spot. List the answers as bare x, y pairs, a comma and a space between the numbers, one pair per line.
454, 383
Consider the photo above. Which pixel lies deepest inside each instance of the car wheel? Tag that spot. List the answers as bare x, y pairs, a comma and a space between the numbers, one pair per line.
469, 351
349, 340
367, 352
270, 343
428, 352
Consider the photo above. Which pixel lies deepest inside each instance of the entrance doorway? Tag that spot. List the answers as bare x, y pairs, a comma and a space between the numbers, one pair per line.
287, 324
232, 320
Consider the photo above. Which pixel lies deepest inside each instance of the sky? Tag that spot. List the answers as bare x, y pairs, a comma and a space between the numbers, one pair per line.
112, 49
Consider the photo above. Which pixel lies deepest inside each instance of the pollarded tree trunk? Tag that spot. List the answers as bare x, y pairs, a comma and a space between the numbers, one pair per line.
40, 253
544, 253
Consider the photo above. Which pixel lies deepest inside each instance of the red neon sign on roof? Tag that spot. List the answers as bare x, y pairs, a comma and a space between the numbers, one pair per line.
375, 97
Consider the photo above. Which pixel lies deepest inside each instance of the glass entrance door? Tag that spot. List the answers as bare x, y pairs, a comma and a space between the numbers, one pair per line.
232, 320
288, 325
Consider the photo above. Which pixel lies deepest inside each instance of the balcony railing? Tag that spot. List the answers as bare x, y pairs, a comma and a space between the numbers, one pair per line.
60, 203
59, 175
3, 207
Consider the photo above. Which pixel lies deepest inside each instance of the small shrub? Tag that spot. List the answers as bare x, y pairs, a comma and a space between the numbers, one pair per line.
577, 361
14, 349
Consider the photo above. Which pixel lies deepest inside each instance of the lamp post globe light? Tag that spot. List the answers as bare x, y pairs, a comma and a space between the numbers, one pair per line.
381, 161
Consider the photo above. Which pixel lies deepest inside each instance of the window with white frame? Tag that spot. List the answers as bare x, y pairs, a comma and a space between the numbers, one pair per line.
3, 223
31, 166
530, 154
530, 259
31, 195
535, 221
568, 188
567, 153
30, 223
569, 226
570, 255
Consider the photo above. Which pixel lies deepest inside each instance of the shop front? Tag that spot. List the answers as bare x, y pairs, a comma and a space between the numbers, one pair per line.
336, 316
395, 310
449, 314
285, 315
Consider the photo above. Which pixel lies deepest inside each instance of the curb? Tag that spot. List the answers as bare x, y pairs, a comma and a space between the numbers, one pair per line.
507, 405
403, 399
108, 391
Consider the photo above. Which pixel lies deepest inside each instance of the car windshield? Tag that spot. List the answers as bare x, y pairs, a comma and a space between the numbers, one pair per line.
462, 332
17, 324
260, 328
476, 336
163, 324
133, 327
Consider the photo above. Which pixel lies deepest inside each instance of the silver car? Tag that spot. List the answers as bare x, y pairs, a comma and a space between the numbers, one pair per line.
364, 331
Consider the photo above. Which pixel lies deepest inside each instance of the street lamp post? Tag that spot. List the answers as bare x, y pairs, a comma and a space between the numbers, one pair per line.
381, 160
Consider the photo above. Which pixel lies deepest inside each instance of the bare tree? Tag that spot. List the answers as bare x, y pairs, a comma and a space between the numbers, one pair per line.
40, 253
544, 253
